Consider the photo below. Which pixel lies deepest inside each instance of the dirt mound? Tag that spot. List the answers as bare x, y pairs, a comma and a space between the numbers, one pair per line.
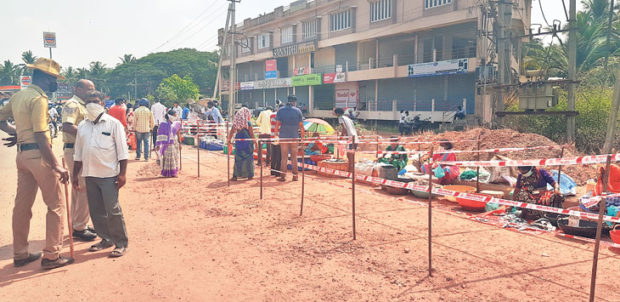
507, 138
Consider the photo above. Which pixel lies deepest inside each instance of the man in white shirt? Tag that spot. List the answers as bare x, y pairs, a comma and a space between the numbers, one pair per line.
348, 129
159, 114
178, 110
100, 153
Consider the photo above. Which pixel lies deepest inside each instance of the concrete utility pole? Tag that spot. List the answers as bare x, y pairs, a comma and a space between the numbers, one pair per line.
233, 53
218, 81
504, 22
613, 117
572, 69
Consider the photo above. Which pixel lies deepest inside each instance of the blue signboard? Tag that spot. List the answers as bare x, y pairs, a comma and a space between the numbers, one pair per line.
271, 75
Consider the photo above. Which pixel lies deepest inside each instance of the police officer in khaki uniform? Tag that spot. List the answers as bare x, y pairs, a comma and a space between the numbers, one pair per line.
37, 167
73, 112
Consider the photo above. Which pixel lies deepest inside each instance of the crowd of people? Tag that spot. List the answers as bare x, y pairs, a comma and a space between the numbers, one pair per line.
95, 148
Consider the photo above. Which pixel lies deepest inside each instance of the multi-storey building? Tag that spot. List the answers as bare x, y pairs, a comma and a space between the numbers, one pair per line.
380, 56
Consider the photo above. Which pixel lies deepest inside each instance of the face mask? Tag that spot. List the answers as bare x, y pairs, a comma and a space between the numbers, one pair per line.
52, 87
528, 174
94, 110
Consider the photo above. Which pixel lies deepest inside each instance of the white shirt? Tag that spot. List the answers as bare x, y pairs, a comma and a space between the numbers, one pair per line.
159, 113
100, 147
347, 123
179, 112
53, 113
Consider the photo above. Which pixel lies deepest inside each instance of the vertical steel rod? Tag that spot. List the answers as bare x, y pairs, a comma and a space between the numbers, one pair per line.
261, 171
601, 211
228, 151
430, 215
197, 143
478, 168
560, 169
353, 193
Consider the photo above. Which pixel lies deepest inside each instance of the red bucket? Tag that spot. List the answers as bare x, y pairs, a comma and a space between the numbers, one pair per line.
615, 234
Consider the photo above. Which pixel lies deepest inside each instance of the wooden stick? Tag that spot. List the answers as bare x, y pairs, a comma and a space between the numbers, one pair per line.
198, 152
261, 172
303, 183
601, 211
69, 224
430, 216
560, 170
180, 158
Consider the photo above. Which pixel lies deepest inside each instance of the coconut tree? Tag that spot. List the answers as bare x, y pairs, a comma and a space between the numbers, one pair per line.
9, 73
128, 58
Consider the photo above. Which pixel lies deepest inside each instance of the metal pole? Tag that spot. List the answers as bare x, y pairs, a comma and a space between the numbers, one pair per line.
218, 80
601, 211
430, 216
50, 59
261, 174
180, 158
228, 151
69, 223
613, 116
478, 168
303, 184
353, 192
233, 54
377, 146
572, 69
198, 146
419, 158
560, 169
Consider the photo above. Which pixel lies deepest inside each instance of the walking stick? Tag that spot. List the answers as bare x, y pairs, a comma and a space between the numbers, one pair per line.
430, 216
68, 213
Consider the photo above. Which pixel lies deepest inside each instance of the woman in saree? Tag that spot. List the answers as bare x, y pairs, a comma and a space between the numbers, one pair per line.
446, 173
531, 187
398, 160
169, 146
244, 144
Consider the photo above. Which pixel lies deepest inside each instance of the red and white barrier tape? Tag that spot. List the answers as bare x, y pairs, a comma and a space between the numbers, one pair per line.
581, 160
592, 201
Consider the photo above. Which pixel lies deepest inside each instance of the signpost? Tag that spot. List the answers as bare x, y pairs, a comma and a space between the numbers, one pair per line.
25, 81
49, 41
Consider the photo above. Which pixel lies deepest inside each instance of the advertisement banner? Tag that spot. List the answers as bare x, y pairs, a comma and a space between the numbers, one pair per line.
347, 95
455, 66
340, 77
307, 80
271, 65
247, 85
328, 78
294, 49
49, 40
271, 74
273, 83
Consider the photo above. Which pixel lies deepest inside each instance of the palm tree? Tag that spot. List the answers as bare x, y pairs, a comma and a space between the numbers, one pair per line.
83, 73
28, 57
9, 73
128, 58
70, 75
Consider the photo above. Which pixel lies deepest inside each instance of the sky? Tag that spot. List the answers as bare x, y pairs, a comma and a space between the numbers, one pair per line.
104, 30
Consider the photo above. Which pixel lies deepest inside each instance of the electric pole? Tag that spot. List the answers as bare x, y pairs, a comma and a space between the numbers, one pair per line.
572, 69
218, 81
504, 22
613, 117
233, 53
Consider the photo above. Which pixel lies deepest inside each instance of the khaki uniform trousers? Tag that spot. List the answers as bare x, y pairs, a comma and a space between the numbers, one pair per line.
79, 201
33, 173
287, 148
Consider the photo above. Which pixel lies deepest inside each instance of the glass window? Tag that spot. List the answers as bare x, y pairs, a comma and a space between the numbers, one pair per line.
287, 35
340, 21
436, 3
309, 30
264, 41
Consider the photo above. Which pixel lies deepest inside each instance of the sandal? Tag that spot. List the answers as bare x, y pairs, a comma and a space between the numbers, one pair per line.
118, 252
102, 245
234, 178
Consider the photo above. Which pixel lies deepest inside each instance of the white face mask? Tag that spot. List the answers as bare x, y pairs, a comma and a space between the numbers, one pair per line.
94, 110
528, 174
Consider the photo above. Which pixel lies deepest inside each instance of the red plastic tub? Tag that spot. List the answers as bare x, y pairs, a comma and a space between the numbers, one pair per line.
472, 205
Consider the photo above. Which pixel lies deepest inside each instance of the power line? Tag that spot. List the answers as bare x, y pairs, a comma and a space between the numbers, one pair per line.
205, 26
543, 12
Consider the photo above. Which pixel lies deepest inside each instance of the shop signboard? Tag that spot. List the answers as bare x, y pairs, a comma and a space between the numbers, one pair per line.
49, 40
271, 74
455, 66
347, 95
337, 77
294, 49
307, 80
25, 81
247, 85
271, 65
273, 83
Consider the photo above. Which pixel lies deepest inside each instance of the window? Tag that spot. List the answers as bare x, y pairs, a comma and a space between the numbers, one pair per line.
244, 49
309, 30
380, 10
264, 41
340, 21
436, 3
287, 35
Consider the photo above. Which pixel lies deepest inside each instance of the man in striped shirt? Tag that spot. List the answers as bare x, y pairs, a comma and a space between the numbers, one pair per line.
275, 148
143, 125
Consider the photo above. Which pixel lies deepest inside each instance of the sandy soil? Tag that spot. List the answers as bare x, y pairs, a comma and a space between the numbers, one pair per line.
196, 239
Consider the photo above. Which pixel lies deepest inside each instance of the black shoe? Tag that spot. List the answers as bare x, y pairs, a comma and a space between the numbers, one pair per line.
61, 261
91, 229
22, 262
85, 235
102, 245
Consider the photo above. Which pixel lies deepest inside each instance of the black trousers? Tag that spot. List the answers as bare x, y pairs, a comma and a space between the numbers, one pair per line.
276, 156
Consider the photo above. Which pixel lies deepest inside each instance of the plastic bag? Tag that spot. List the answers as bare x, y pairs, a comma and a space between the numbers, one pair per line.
439, 172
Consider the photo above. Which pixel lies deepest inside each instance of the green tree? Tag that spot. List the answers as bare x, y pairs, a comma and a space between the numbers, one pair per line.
28, 58
127, 59
9, 73
177, 89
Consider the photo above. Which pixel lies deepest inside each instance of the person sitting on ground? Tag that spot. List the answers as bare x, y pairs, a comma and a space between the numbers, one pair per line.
244, 144
531, 187
446, 173
460, 113
316, 147
169, 144
398, 160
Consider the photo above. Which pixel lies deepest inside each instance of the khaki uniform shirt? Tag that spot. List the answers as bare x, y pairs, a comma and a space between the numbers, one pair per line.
29, 109
73, 112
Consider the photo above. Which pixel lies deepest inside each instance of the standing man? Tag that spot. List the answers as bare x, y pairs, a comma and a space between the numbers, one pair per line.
185, 113
37, 167
159, 114
215, 113
143, 124
73, 113
53, 118
276, 157
119, 112
264, 127
348, 129
101, 156
289, 125
178, 111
